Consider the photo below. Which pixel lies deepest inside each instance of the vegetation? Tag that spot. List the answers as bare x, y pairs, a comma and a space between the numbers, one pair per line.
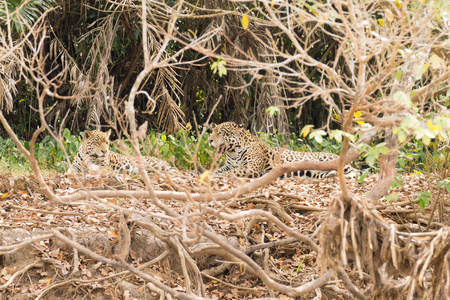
368, 80
96, 46
179, 149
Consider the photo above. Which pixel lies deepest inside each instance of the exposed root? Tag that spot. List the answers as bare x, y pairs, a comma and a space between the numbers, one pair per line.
125, 239
354, 235
20, 272
274, 206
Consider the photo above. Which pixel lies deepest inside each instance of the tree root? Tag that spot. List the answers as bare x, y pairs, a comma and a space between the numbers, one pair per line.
37, 264
274, 206
396, 261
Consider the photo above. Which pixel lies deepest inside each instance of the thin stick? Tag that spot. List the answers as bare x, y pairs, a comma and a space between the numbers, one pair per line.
20, 272
122, 264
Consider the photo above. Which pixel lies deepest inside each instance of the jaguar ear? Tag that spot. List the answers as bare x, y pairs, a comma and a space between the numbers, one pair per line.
241, 125
87, 134
213, 125
107, 134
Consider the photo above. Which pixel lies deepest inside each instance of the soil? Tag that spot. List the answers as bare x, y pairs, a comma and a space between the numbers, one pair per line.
50, 269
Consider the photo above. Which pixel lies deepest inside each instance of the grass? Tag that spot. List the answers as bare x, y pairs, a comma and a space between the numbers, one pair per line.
180, 151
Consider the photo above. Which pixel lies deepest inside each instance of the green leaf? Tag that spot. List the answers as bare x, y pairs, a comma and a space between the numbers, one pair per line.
422, 203
440, 184
397, 182
350, 136
317, 135
401, 136
398, 75
423, 199
320, 132
424, 134
363, 176
420, 70
390, 198
410, 121
23, 13
66, 133
273, 110
219, 66
337, 135
435, 61
318, 139
222, 69
403, 99
370, 160
383, 150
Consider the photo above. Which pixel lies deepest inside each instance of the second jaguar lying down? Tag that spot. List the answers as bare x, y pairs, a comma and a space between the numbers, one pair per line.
248, 156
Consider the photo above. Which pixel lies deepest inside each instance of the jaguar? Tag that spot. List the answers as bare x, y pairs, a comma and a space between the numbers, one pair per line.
94, 155
248, 156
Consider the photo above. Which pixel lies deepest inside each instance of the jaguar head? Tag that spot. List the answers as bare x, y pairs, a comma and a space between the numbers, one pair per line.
225, 137
97, 143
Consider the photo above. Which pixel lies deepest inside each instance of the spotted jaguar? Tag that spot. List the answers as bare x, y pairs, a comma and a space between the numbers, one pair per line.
94, 155
248, 156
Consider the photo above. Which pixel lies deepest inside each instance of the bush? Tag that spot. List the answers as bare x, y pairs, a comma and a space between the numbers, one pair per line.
417, 156
49, 154
11, 158
186, 150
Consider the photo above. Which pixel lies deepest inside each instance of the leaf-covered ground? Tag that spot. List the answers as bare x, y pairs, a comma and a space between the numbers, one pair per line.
50, 269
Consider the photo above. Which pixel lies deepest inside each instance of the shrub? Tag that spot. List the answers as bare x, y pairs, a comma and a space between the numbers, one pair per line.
186, 150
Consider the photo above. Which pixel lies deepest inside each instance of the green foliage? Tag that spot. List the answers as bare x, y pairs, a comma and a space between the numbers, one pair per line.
437, 127
327, 145
276, 139
415, 155
444, 183
23, 13
219, 65
273, 110
182, 150
317, 135
391, 198
373, 153
185, 150
48, 152
300, 266
363, 176
298, 144
11, 157
423, 198
397, 182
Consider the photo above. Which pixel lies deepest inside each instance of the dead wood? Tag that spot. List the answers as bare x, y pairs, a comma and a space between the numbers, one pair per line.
125, 239
273, 206
122, 264
353, 236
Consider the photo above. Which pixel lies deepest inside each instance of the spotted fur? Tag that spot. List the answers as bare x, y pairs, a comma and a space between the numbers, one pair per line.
248, 156
94, 155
